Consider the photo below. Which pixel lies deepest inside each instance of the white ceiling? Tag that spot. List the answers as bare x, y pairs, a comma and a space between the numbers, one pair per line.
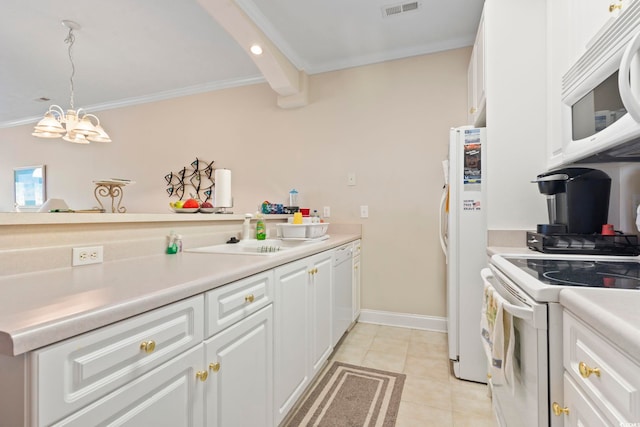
133, 51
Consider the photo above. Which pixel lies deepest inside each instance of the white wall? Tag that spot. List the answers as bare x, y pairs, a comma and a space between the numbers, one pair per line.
388, 123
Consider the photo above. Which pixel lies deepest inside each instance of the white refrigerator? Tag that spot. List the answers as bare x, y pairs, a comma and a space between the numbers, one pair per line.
463, 235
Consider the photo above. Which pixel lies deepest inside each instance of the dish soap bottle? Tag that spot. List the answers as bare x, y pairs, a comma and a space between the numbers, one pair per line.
261, 231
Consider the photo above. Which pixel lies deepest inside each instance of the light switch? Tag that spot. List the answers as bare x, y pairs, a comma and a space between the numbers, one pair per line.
351, 178
364, 211
326, 212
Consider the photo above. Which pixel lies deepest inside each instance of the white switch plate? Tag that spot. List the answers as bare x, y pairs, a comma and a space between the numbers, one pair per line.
364, 211
326, 212
351, 178
87, 255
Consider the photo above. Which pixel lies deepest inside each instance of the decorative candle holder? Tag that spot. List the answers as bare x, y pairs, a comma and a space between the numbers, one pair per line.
111, 188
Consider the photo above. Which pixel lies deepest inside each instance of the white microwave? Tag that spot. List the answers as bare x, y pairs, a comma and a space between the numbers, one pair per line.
601, 97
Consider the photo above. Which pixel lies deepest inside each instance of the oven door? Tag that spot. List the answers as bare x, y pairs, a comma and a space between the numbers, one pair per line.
525, 401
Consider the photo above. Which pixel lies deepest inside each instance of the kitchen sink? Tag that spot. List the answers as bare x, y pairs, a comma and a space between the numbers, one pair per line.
267, 247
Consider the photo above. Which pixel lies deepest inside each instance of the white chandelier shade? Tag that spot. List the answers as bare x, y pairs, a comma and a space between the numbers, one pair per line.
73, 125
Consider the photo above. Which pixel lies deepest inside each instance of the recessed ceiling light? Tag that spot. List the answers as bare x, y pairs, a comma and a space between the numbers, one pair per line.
256, 49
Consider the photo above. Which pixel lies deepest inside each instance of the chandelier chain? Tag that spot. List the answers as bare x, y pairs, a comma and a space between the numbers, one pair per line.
71, 38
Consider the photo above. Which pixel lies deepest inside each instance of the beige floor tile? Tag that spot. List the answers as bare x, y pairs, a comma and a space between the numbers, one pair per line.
394, 332
425, 368
384, 361
429, 337
470, 398
472, 420
414, 415
427, 349
436, 394
389, 345
365, 328
358, 339
350, 354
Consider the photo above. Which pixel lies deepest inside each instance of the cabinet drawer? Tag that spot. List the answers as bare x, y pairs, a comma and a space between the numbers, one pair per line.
615, 387
72, 373
233, 302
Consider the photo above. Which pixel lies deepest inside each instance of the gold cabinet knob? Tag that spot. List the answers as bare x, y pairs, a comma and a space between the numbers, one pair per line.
586, 370
148, 346
215, 367
312, 271
249, 298
614, 6
559, 410
202, 375
472, 110
315, 271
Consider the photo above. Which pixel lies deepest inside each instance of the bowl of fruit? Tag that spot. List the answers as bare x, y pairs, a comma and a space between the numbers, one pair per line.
206, 207
185, 206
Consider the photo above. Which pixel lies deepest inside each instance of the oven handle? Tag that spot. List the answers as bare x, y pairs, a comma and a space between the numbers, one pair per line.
525, 314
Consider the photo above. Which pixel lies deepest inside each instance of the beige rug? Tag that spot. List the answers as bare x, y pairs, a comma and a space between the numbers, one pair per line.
352, 396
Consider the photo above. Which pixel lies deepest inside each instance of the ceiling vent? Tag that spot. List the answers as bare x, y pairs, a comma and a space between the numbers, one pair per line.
398, 9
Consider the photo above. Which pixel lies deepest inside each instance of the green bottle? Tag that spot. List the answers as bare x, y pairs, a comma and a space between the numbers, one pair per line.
261, 231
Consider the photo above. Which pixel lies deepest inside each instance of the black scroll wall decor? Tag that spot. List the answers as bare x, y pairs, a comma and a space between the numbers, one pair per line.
193, 181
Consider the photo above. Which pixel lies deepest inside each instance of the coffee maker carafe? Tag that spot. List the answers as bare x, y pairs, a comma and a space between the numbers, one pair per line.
577, 200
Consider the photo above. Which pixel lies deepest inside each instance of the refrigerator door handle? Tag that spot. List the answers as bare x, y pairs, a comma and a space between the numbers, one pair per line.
443, 216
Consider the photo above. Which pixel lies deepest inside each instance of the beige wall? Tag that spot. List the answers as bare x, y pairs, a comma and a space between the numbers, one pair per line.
387, 122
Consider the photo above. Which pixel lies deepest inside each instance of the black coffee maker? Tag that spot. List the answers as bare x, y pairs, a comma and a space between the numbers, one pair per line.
578, 207
577, 200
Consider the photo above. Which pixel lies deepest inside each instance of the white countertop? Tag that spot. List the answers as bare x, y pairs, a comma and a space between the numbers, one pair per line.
614, 313
38, 309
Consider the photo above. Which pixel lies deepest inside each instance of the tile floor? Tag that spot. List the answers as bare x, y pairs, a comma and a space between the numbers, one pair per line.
431, 396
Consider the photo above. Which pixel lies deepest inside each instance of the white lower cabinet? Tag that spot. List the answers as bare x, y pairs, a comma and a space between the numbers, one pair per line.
170, 395
302, 327
601, 382
239, 390
239, 355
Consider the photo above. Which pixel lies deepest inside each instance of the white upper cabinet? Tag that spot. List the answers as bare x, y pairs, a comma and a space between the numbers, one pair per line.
476, 114
587, 20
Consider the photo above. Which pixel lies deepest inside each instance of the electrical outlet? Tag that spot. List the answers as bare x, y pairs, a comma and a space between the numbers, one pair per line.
326, 212
364, 211
87, 255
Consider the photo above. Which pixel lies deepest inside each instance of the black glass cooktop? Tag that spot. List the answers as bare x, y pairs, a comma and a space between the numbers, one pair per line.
587, 273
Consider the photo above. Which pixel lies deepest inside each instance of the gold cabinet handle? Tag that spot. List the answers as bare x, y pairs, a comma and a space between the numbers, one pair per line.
202, 375
148, 346
215, 367
614, 6
585, 370
559, 410
249, 298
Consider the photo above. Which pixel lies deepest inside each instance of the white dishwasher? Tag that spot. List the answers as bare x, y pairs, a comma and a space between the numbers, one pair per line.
342, 291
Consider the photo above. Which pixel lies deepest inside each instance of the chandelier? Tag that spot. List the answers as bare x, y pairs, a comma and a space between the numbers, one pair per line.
73, 125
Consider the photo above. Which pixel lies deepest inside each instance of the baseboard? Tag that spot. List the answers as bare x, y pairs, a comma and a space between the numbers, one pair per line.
404, 320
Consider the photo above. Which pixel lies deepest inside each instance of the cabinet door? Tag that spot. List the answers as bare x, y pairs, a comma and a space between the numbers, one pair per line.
170, 395
291, 335
239, 390
356, 288
321, 301
582, 412
586, 20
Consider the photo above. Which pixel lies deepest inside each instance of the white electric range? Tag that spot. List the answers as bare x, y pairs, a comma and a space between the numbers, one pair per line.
529, 286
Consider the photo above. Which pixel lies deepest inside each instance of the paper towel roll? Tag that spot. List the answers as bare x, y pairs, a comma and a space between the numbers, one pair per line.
222, 192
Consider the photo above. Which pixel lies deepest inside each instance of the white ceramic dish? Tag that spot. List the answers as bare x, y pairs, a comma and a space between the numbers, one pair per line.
207, 210
185, 210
